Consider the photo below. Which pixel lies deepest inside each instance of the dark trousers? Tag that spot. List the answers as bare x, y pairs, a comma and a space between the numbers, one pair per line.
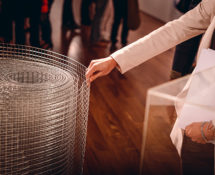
197, 159
46, 25
96, 23
85, 12
6, 20
19, 29
34, 26
120, 13
185, 55
31, 9
68, 17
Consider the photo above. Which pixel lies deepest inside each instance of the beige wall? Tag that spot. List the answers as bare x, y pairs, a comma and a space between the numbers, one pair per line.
161, 9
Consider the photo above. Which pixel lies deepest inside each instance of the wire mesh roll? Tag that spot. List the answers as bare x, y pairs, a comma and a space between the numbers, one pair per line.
44, 102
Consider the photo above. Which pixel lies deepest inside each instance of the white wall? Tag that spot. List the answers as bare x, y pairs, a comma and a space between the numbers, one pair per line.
161, 9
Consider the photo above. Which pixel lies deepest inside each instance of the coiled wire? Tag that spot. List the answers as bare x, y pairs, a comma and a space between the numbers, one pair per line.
44, 101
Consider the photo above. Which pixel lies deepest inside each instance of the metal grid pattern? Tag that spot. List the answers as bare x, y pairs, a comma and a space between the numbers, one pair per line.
44, 101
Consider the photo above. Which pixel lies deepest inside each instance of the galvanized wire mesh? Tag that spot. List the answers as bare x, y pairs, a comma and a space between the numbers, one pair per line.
44, 102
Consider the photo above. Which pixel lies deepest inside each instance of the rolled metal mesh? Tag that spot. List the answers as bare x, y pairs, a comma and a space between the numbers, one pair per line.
44, 102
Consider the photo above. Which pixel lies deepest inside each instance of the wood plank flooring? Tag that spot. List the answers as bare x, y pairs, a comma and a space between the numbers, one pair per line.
117, 102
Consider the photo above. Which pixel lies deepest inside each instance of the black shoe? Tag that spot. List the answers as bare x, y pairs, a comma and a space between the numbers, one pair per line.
72, 26
100, 43
123, 45
113, 48
124, 42
75, 26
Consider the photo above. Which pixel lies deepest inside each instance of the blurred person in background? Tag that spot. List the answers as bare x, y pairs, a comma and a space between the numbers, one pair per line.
86, 12
32, 10
46, 30
185, 52
68, 20
7, 16
96, 37
127, 12
120, 14
18, 11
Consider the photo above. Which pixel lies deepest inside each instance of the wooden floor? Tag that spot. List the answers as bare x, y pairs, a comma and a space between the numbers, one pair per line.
117, 102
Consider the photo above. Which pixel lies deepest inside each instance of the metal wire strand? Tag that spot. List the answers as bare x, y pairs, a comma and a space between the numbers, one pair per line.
44, 101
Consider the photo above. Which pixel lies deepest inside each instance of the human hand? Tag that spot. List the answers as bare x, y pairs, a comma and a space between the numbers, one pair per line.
194, 132
100, 67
